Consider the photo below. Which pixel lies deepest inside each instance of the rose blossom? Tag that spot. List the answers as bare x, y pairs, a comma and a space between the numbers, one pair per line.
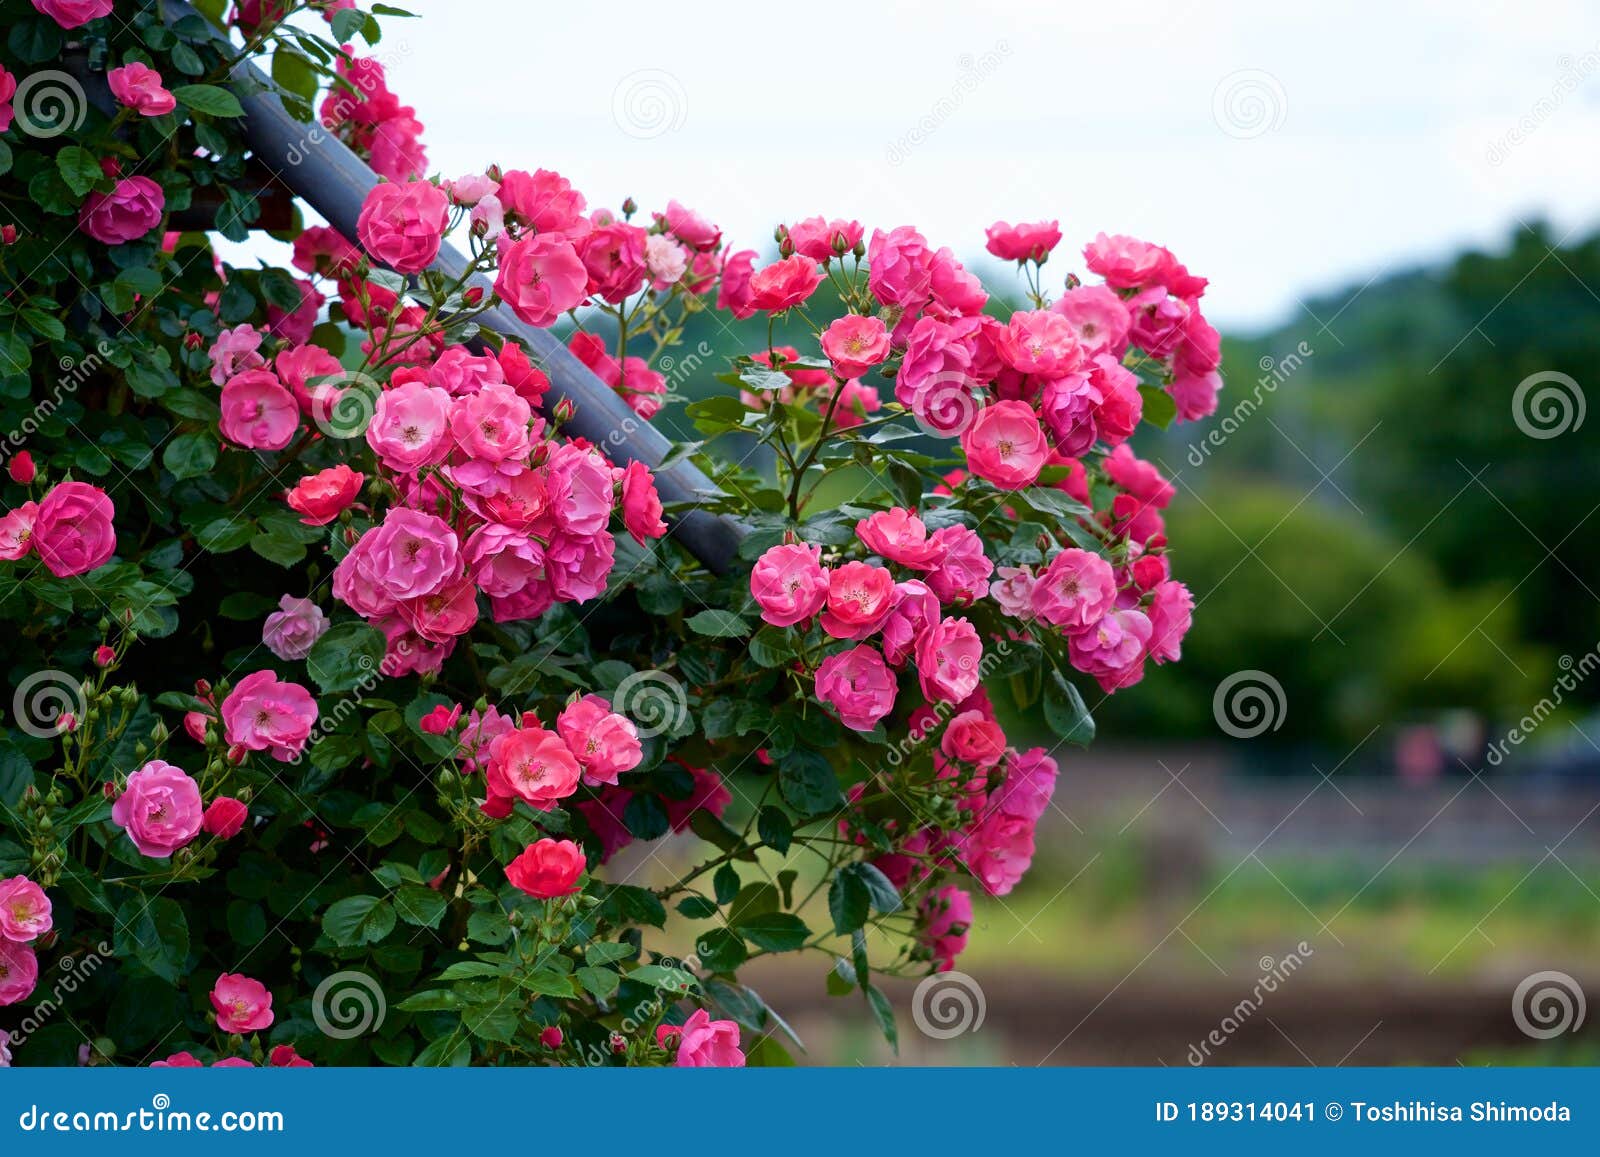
578, 565
945, 916
1074, 590
1023, 242
860, 598
666, 260
916, 608
321, 497
533, 765
128, 212
899, 268
999, 851
784, 284
691, 228
641, 505
412, 554
1171, 612
1030, 782
703, 1042
1124, 262
855, 344
264, 713
1098, 318
948, 657
859, 685
491, 429
257, 412
502, 561
972, 737
410, 427
1113, 649
547, 869
73, 13
900, 536
292, 629
225, 818
1039, 342
789, 583
1006, 446
21, 468
243, 1005
540, 278
72, 530
580, 489
139, 87
1013, 590
733, 291
544, 201
605, 742
24, 910
16, 531
962, 575
401, 224
159, 809
823, 240
614, 257
19, 971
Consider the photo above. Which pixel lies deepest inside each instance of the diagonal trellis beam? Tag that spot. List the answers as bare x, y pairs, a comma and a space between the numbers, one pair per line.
322, 171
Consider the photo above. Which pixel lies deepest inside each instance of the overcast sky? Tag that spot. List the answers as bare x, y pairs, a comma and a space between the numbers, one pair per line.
1279, 152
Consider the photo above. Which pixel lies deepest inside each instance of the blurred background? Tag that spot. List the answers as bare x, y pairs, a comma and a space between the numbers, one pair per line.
1373, 779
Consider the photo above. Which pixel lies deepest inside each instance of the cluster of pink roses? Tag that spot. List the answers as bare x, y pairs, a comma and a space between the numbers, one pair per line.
242, 1006
70, 529
372, 121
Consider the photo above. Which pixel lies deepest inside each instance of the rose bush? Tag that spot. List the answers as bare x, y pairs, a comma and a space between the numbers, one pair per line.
337, 661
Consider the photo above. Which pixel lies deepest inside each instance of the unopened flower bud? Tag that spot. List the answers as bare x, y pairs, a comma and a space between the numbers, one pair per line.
104, 656
21, 468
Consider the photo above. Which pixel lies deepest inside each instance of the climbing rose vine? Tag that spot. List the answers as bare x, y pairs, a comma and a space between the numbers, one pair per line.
353, 693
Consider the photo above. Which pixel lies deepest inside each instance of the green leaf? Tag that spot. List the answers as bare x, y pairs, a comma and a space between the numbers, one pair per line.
660, 976
46, 325
883, 1012
605, 952
720, 950
155, 933
488, 927
358, 920
602, 983
420, 905
347, 23
1065, 712
191, 455
848, 901
209, 99
345, 656
774, 828
79, 168
775, 931
719, 624
808, 782
885, 896
548, 982
695, 907
495, 1021
1159, 406
433, 1000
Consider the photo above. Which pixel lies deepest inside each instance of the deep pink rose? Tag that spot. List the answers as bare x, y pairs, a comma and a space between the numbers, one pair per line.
321, 497
691, 228
412, 554
855, 344
1171, 613
1023, 242
605, 742
401, 224
1113, 649
540, 278
900, 268
72, 531
580, 488
73, 13
1030, 782
945, 917
733, 292
410, 427
19, 971
641, 505
784, 284
547, 869
1005, 445
824, 240
972, 737
139, 87
243, 1005
534, 765
999, 851
1098, 318
789, 583
703, 1042
1125, 262
159, 809
16, 531
962, 574
128, 212
900, 536
543, 201
264, 713
1074, 590
1039, 342
916, 609
614, 256
225, 817
860, 598
24, 910
257, 412
949, 656
859, 685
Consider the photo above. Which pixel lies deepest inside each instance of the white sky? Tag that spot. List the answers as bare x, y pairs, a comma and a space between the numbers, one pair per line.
1373, 149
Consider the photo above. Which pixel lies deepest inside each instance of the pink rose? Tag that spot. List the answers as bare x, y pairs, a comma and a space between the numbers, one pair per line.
321, 497
73, 13
491, 429
900, 536
945, 916
547, 869
855, 344
292, 629
237, 350
577, 566
999, 851
1030, 782
972, 737
605, 742
534, 765
1124, 262
16, 531
412, 554
691, 228
1039, 342
1023, 242
1006, 446
128, 212
1171, 613
1113, 649
19, 971
503, 561
264, 713
641, 505
703, 1042
440, 721
1098, 318
183, 1060
1069, 405
257, 412
956, 291
1196, 394
784, 284
1074, 590
72, 531
580, 488
859, 685
789, 584
614, 257
916, 608
1013, 590
410, 427
900, 268
159, 809
8, 89
243, 1005
139, 87
24, 910
962, 575
225, 817
733, 292
402, 224
860, 598
540, 278
823, 240
936, 377
667, 261
949, 656
855, 403
543, 201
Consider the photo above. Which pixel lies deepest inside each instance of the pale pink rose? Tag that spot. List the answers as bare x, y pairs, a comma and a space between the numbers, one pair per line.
1023, 242
503, 561
916, 608
859, 685
972, 737
577, 566
257, 412
900, 268
1098, 318
471, 188
160, 809
401, 224
1030, 782
691, 228
16, 531
945, 916
24, 910
789, 583
491, 429
962, 575
264, 713
487, 218
243, 1005
292, 629
1171, 613
1113, 649
128, 212
581, 491
855, 344
73, 531
900, 536
605, 742
19, 972
666, 260
413, 554
410, 427
1074, 590
999, 851
1124, 262
139, 87
1013, 590
541, 278
73, 13
703, 1042
860, 599
641, 505
824, 240
949, 657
